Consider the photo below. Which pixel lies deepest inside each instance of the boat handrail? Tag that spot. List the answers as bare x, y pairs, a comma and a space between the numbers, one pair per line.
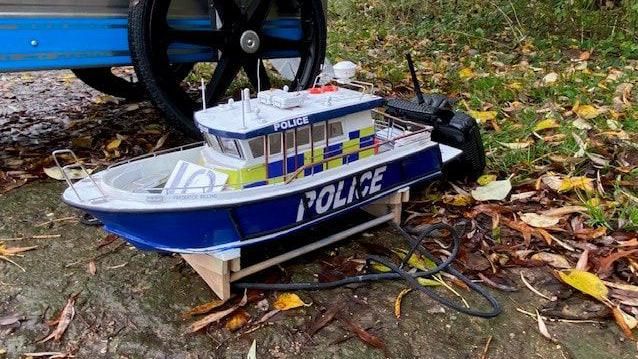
157, 153
77, 164
290, 178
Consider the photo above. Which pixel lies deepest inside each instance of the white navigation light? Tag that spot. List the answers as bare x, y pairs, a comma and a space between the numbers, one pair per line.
345, 71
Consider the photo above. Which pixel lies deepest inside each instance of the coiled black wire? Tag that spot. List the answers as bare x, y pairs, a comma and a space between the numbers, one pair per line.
397, 272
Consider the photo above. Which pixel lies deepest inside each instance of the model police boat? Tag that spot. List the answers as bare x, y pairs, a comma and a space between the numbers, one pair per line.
269, 166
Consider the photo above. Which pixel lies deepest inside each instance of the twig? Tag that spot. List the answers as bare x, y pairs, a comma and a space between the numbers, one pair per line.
46, 236
12, 262
576, 321
486, 348
536, 291
56, 220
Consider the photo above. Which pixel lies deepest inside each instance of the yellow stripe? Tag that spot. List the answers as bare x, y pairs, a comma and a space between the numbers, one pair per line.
369, 131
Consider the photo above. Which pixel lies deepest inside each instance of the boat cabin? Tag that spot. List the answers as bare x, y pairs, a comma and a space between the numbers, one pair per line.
282, 135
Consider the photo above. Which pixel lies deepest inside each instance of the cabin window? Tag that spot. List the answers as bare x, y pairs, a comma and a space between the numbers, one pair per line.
319, 133
274, 141
335, 129
303, 136
212, 142
230, 147
257, 147
290, 139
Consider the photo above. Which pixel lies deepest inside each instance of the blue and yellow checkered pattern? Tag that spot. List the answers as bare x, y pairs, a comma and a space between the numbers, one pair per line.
256, 176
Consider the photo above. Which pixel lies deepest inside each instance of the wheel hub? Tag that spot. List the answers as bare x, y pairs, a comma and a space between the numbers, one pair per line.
249, 42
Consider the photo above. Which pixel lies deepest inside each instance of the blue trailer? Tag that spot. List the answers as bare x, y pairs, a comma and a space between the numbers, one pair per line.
164, 40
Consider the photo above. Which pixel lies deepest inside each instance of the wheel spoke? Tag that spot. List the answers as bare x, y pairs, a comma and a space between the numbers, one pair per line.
227, 10
258, 11
214, 39
261, 82
227, 69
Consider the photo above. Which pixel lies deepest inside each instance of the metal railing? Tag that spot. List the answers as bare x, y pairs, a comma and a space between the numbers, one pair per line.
157, 153
77, 164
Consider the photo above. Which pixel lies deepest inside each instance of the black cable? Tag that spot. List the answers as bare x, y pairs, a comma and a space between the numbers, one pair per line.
399, 273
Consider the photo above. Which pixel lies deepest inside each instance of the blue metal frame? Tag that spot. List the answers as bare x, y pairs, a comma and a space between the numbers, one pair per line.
47, 43
37, 43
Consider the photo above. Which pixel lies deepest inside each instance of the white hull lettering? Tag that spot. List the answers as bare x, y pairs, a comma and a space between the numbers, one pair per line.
331, 197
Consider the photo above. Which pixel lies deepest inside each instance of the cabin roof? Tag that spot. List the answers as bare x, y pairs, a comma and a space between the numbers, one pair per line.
226, 120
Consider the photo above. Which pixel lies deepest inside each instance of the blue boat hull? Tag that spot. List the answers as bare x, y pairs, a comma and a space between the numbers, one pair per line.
206, 229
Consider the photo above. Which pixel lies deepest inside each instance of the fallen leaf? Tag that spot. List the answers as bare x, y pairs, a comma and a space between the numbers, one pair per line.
494, 191
325, 318
542, 328
554, 260
605, 263
585, 282
427, 282
521, 196
572, 183
539, 220
581, 124
484, 180
203, 308
559, 212
587, 112
466, 73
10, 319
550, 78
622, 319
91, 268
287, 301
237, 320
114, 145
587, 234
582, 260
546, 124
217, 316
67, 315
483, 116
397, 302
457, 200
4, 251
365, 336
72, 173
516, 145
252, 352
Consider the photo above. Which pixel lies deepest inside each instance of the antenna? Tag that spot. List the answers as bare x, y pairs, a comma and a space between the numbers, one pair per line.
203, 88
243, 108
415, 80
258, 75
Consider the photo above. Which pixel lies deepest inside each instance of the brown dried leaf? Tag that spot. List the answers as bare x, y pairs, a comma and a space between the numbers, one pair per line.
605, 263
365, 336
203, 308
215, 317
619, 317
4, 251
67, 315
325, 318
91, 268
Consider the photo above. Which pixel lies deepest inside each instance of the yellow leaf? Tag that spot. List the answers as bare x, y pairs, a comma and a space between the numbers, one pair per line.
546, 124
286, 301
416, 260
237, 320
380, 267
585, 282
428, 282
587, 112
483, 116
466, 73
397, 302
515, 86
114, 145
516, 145
458, 200
484, 180
581, 183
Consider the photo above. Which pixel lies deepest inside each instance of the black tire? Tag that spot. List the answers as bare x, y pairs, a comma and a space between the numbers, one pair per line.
150, 58
104, 80
463, 133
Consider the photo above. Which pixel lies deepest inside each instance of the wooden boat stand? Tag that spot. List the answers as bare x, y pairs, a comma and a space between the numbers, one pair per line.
220, 269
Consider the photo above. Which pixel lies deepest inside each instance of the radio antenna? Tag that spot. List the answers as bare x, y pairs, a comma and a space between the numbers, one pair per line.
415, 80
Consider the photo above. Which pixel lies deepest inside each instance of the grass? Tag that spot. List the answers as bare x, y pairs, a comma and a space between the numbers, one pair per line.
510, 46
